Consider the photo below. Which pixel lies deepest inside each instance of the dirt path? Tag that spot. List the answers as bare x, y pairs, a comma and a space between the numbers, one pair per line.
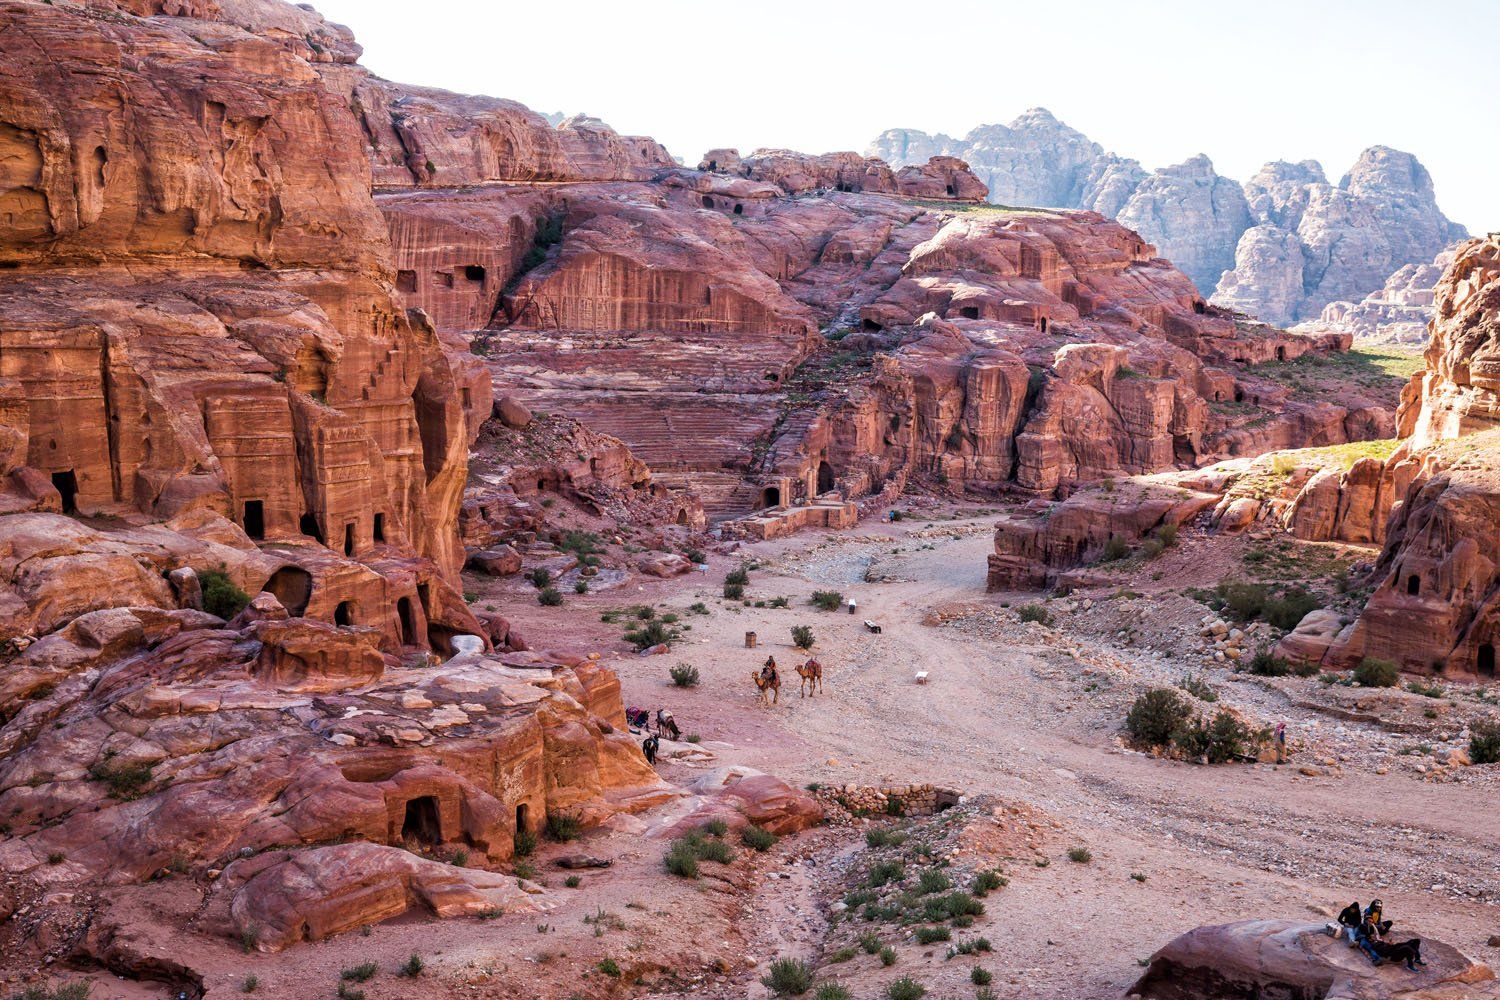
1010, 718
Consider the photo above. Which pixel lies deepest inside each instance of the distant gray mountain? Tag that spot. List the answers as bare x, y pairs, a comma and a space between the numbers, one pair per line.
1281, 246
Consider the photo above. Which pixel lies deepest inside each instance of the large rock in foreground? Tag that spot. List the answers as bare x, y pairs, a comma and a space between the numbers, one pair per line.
1299, 961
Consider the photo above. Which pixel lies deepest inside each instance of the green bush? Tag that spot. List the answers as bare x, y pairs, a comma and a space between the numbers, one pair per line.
927, 935
1484, 742
931, 880
1199, 688
979, 976
1243, 601
413, 967
126, 781
739, 576
653, 633
1115, 549
788, 977
1157, 715
548, 597
757, 838
581, 587
682, 859
885, 872
887, 955
832, 991
360, 973
1035, 613
734, 591
1267, 664
779, 602
610, 968
827, 600
1286, 611
715, 828
1375, 673
525, 842
1167, 535
986, 882
1080, 855
954, 904
695, 556
563, 826
685, 675
905, 988
221, 598
540, 577
802, 636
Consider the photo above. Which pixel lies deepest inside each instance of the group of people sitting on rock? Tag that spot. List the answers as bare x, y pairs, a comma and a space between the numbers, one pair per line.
1369, 931
639, 720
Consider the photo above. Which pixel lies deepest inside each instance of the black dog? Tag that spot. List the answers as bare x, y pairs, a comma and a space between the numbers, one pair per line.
1409, 953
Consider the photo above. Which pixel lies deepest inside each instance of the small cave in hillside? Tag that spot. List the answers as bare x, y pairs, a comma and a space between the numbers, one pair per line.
406, 622
969, 312
870, 326
308, 525
1414, 585
344, 613
770, 497
66, 484
708, 202
474, 272
739, 209
682, 517
379, 527
292, 586
349, 541
951, 191
406, 281
1280, 353
1199, 307
422, 823
825, 478
254, 519
1484, 660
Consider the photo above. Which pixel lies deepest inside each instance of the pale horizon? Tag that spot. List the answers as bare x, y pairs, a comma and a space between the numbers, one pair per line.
1156, 84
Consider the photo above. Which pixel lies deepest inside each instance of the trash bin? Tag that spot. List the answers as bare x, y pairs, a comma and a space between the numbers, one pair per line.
749, 640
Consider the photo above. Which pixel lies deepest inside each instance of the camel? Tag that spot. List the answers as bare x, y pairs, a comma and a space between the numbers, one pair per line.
767, 679
811, 673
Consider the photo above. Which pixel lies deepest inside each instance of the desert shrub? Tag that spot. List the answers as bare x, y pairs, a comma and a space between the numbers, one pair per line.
987, 881
953, 904
788, 977
1265, 663
884, 872
249, 938
681, 860
573, 881
1167, 535
540, 577
832, 991
1199, 688
931, 880
905, 988
927, 935
734, 591
360, 973
563, 826
802, 636
653, 633
1156, 715
757, 838
739, 576
125, 781
645, 612
779, 602
221, 598
1377, 673
1080, 855
251, 984
581, 587
1425, 690
525, 843
827, 600
548, 597
1484, 742
581, 543
1151, 548
1287, 610
1115, 549
1220, 740
980, 977
887, 955
715, 828
684, 675
869, 942
1243, 601
1035, 613
698, 608
973, 946
695, 555
413, 967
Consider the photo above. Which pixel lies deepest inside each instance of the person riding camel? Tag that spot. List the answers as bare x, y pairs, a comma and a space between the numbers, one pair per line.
768, 671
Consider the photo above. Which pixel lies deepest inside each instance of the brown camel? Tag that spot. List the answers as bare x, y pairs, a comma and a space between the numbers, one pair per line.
811, 673
767, 679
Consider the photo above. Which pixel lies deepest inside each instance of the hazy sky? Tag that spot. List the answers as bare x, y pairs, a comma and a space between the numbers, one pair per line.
1159, 80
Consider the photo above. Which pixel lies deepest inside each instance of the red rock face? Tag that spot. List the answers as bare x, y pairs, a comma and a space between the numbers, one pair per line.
1460, 391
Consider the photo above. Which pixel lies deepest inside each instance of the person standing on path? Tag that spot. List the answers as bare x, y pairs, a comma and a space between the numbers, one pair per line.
1281, 742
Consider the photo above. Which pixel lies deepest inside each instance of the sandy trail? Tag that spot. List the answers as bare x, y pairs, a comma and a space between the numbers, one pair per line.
1215, 843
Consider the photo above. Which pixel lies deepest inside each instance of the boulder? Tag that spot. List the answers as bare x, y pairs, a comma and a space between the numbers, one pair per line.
513, 413
1255, 958
502, 560
664, 564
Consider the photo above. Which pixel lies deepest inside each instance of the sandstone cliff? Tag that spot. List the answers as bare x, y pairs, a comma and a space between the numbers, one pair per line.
1280, 247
